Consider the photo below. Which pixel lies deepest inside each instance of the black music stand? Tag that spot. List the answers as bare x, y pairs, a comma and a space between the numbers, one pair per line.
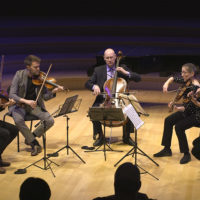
47, 161
71, 105
135, 148
105, 114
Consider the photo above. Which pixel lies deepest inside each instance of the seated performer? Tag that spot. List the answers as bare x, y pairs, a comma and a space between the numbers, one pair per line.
185, 117
24, 92
96, 83
7, 134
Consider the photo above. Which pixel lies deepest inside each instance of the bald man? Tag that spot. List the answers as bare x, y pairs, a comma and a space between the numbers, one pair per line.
95, 83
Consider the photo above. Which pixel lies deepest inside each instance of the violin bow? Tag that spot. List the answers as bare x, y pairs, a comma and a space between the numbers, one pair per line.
43, 83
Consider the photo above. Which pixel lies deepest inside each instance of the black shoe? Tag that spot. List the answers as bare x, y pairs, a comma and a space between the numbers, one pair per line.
129, 141
2, 170
36, 150
163, 153
185, 159
98, 142
4, 164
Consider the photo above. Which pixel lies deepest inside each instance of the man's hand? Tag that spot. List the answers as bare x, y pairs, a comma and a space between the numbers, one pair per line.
31, 103
58, 89
96, 90
122, 70
11, 102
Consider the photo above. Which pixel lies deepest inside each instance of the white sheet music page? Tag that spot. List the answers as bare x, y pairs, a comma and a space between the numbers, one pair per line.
133, 116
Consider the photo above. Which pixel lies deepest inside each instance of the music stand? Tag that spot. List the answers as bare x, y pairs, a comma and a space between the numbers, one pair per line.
134, 117
105, 114
71, 105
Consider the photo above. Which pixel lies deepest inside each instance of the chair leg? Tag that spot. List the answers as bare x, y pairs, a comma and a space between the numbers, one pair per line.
18, 149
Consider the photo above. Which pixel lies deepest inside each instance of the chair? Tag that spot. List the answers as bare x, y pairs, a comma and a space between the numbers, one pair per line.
28, 117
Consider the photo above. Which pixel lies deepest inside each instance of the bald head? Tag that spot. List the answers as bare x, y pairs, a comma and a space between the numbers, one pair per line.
109, 57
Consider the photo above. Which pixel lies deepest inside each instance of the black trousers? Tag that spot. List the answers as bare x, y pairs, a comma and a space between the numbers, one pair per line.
127, 129
7, 133
181, 122
97, 126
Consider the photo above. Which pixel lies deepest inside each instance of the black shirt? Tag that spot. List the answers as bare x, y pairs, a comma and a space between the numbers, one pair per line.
30, 92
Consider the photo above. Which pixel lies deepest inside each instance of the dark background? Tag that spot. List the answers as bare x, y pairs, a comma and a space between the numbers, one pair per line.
155, 36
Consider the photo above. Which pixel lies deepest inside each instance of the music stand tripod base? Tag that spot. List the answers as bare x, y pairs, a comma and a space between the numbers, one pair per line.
70, 105
47, 161
134, 153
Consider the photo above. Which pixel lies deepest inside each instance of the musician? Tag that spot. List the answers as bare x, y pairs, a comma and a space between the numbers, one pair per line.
7, 134
95, 84
185, 117
24, 92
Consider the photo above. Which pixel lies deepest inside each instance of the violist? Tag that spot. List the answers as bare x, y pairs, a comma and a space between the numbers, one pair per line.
186, 116
25, 93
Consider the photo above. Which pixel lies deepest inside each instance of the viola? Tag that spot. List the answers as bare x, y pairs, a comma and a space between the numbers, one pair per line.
179, 94
50, 82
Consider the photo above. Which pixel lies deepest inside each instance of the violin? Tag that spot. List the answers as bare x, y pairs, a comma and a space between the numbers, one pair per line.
50, 82
179, 94
3, 97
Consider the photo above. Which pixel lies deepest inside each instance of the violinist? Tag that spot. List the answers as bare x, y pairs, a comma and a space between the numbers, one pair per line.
186, 116
7, 132
25, 92
96, 82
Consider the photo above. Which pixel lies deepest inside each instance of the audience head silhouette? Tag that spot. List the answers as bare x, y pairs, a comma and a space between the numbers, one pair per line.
34, 189
127, 181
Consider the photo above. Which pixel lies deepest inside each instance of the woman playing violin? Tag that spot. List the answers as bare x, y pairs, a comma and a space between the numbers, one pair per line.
25, 92
186, 116
7, 132
96, 82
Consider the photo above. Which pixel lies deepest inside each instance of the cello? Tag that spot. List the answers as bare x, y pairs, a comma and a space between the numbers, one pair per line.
112, 88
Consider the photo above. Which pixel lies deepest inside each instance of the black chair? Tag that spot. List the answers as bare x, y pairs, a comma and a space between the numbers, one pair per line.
28, 117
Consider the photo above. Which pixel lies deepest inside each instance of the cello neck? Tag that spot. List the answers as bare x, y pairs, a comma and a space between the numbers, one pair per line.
114, 87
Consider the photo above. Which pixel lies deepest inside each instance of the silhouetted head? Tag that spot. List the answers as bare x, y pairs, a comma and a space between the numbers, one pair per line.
34, 189
127, 180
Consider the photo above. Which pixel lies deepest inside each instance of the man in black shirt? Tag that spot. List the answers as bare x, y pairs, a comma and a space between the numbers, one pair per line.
24, 92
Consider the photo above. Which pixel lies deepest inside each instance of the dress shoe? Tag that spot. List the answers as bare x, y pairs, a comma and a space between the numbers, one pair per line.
185, 159
98, 142
36, 150
163, 153
129, 141
2, 170
4, 164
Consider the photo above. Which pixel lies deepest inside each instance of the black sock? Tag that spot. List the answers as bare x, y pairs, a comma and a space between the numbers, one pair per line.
35, 142
167, 148
34, 134
186, 153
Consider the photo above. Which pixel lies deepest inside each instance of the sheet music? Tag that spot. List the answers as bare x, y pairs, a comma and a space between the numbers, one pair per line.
133, 116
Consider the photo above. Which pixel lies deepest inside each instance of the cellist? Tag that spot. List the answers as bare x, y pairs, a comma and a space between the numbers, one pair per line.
186, 116
96, 82
23, 91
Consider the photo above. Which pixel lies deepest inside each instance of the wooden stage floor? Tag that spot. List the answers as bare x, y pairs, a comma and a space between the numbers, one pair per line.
76, 180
